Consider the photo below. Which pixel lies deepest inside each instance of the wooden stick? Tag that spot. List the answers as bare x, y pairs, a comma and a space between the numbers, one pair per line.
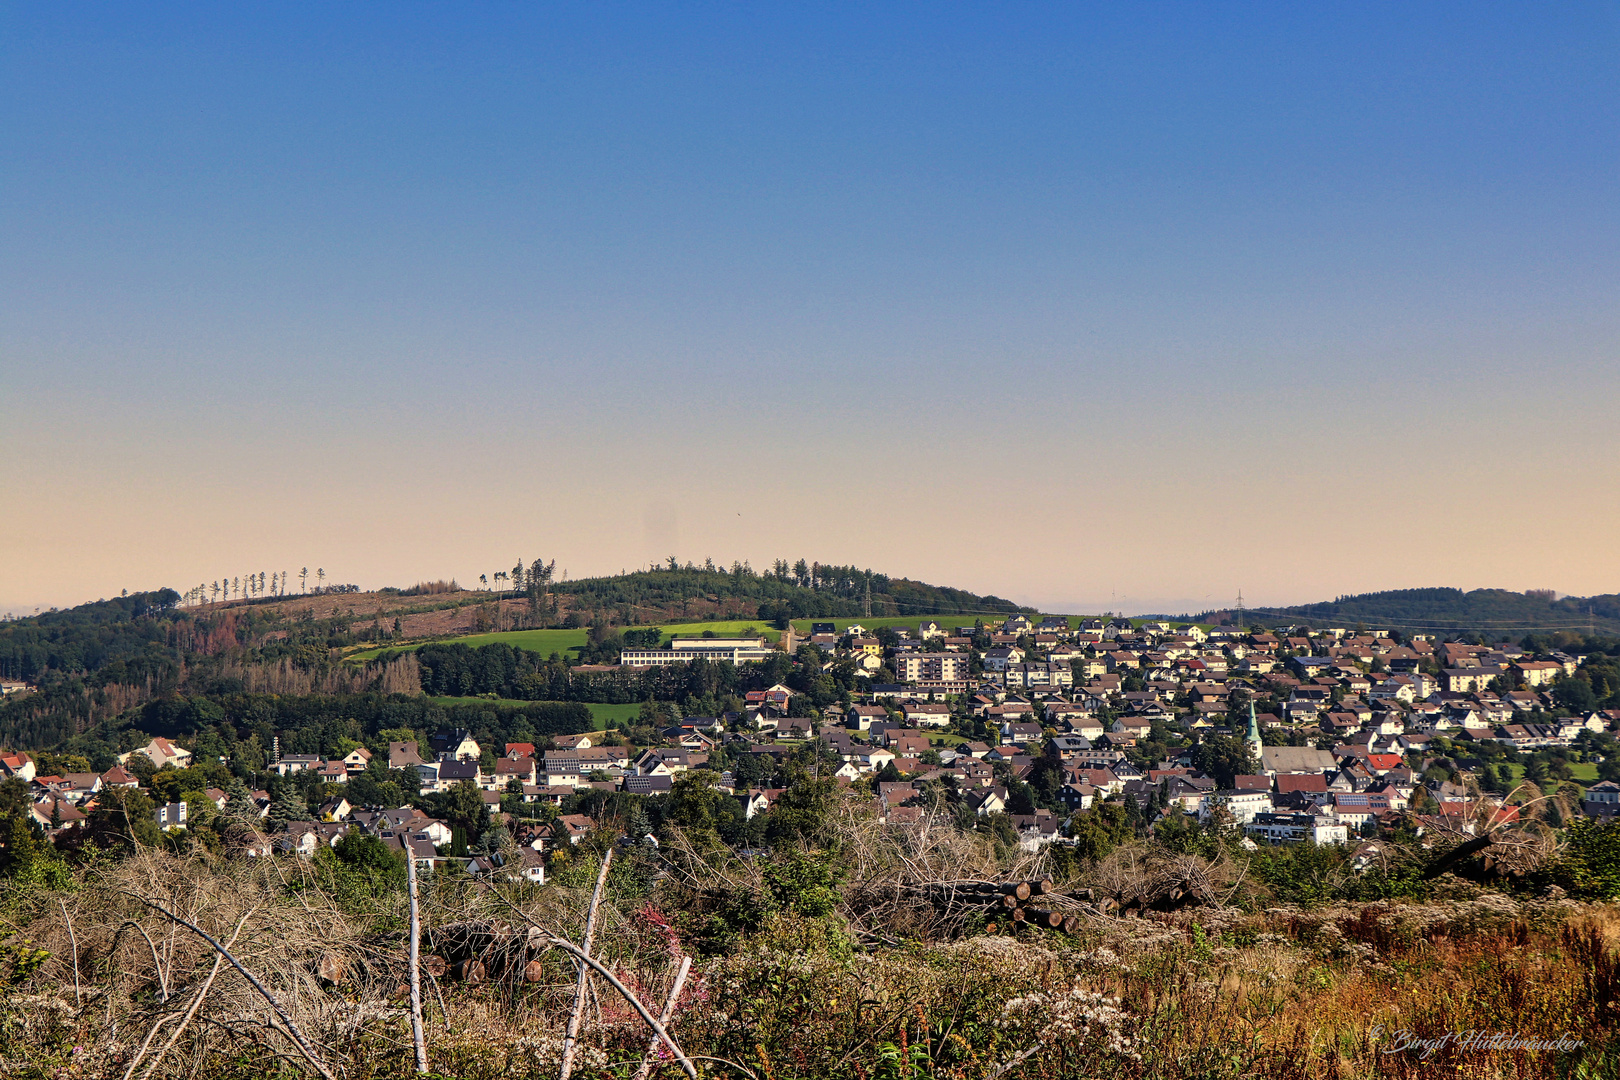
635, 1002
571, 1036
157, 965
156, 1027
417, 1034
264, 992
664, 1017
185, 1021
74, 941
613, 981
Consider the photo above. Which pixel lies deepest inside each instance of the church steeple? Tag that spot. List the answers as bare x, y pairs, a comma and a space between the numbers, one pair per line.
1253, 737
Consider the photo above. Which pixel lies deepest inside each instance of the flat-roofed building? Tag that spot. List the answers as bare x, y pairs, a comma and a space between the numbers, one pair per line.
685, 650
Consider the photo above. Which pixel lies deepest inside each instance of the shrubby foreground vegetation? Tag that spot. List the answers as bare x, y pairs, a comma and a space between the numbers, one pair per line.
818, 958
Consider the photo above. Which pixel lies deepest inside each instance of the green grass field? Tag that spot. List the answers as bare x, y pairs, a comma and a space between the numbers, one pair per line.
731, 628
1582, 772
546, 642
606, 714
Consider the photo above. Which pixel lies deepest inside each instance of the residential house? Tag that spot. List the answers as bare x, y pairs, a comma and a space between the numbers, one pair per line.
404, 755
452, 772
119, 777
161, 752
983, 801
508, 769
292, 763
862, 717
1239, 805
170, 815
455, 744
1603, 799
1469, 680
927, 714
1278, 828
1020, 734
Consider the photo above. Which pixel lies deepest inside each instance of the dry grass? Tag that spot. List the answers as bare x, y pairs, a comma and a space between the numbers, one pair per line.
888, 986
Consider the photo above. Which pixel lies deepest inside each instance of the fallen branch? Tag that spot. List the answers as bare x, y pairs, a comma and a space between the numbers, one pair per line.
292, 1029
571, 1036
78, 997
185, 1021
417, 1035
157, 965
664, 1017
613, 981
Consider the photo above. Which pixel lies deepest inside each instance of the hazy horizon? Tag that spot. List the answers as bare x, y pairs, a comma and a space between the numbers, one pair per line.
1087, 308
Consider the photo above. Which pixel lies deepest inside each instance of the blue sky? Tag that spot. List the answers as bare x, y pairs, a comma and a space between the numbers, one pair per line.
1201, 297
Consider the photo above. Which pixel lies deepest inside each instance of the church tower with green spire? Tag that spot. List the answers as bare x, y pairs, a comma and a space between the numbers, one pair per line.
1253, 737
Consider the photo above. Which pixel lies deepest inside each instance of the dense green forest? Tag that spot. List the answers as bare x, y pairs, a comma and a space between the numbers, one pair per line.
100, 660
802, 590
1495, 614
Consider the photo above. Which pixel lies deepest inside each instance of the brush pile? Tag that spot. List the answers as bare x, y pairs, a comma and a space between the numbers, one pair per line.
1170, 886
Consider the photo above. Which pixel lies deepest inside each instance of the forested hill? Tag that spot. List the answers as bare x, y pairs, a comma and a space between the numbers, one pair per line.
124, 658
1491, 613
802, 590
134, 631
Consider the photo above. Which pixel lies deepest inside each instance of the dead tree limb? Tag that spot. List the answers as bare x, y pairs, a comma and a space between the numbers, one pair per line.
185, 1021
253, 980
417, 1035
571, 1036
613, 981
664, 1017
78, 998
157, 965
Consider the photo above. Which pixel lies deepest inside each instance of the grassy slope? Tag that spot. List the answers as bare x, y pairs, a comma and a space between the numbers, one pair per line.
547, 642
1583, 772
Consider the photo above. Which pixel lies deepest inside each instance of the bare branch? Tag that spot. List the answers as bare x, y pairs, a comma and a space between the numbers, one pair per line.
571, 1036
292, 1029
664, 1017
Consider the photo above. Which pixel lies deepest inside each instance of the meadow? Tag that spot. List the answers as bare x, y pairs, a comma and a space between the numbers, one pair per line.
546, 642
1582, 772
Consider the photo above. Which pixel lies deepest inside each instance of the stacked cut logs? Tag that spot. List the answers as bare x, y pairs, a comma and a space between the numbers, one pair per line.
1179, 884
1028, 902
471, 952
